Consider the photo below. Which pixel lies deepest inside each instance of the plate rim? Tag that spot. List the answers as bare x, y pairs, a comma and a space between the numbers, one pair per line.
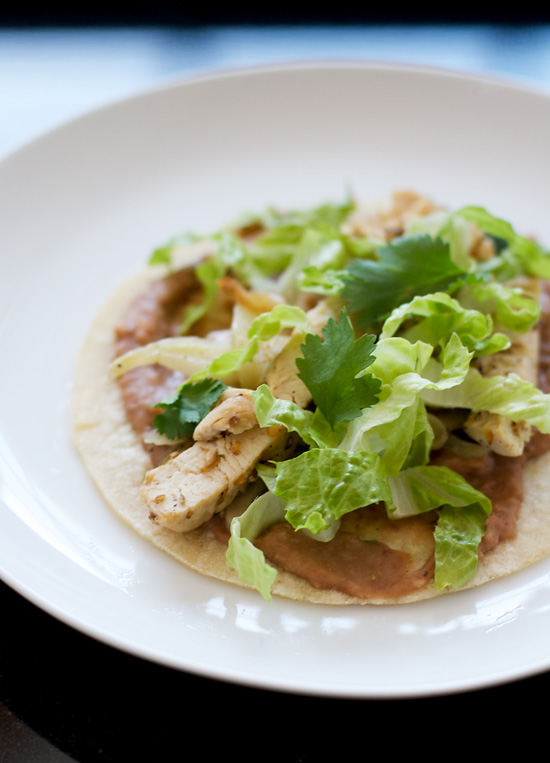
182, 80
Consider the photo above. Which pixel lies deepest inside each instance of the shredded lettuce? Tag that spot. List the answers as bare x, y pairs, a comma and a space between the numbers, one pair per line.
517, 254
424, 488
530, 255
438, 316
461, 523
286, 242
458, 533
327, 282
367, 437
457, 232
401, 368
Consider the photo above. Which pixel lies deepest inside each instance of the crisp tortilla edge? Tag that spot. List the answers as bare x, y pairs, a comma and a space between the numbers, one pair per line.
115, 460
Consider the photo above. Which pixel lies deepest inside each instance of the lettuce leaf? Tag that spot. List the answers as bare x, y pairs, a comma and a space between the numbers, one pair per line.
461, 523
311, 426
230, 253
457, 232
458, 534
402, 368
511, 306
314, 249
327, 282
242, 555
424, 488
289, 242
321, 485
509, 396
525, 255
438, 316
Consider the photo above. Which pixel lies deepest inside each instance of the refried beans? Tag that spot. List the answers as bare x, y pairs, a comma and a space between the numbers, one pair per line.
155, 314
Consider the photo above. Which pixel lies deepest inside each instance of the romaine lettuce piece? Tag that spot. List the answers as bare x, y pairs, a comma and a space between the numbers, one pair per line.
242, 555
402, 369
438, 316
458, 533
328, 282
424, 488
311, 426
457, 232
528, 256
461, 523
509, 396
321, 485
511, 306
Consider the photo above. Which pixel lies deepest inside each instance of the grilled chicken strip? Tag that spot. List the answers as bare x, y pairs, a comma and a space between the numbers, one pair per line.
189, 489
386, 221
235, 413
499, 433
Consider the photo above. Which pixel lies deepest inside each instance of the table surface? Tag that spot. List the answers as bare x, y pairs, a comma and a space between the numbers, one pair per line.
64, 696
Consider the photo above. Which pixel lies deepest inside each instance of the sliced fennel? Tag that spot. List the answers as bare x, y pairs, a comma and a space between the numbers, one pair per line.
188, 354
262, 329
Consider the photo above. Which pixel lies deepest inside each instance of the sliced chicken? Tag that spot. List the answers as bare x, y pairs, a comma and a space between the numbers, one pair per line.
281, 377
235, 413
499, 433
520, 358
186, 491
385, 221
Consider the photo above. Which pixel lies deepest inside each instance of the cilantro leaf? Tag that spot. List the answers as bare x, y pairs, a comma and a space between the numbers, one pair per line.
329, 368
184, 410
405, 268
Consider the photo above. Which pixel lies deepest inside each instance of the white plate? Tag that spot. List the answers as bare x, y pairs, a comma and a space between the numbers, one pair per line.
82, 208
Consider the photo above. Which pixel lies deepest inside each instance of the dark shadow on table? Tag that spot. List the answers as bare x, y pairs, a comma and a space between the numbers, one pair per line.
70, 693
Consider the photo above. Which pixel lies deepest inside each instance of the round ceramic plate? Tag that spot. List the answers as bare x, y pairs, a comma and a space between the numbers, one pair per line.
81, 210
